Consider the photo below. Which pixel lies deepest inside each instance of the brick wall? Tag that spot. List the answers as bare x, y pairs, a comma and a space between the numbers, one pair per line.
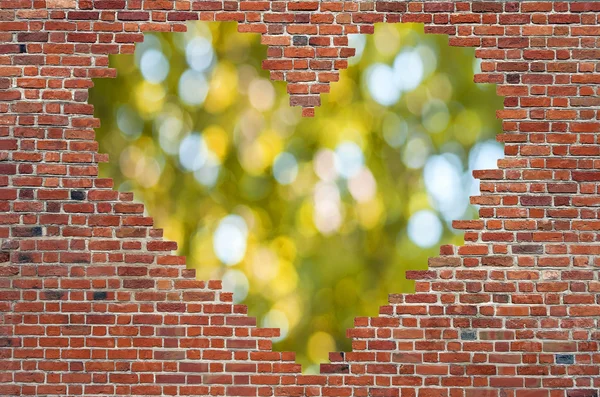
92, 300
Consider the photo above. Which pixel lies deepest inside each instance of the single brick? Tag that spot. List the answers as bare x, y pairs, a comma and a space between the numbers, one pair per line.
54, 294
565, 359
99, 295
77, 195
300, 40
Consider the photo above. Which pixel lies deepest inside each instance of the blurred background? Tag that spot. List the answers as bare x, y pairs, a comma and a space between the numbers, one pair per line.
309, 221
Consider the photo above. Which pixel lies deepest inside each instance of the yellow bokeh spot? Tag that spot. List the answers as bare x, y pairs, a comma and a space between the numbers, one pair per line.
271, 145
259, 220
259, 154
217, 140
223, 89
291, 307
252, 158
305, 180
304, 219
319, 345
285, 248
149, 97
370, 212
467, 127
351, 127
263, 264
440, 87
387, 40
415, 100
286, 280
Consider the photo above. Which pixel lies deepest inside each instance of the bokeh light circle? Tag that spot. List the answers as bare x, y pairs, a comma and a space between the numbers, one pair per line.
348, 159
193, 152
285, 168
154, 66
193, 87
230, 238
424, 228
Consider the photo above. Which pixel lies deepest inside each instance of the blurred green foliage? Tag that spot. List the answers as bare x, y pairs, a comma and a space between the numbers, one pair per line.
319, 234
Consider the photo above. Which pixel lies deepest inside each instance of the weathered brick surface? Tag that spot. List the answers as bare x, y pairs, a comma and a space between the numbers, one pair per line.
92, 302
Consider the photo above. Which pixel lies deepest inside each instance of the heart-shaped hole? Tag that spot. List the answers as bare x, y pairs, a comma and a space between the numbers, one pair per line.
311, 222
